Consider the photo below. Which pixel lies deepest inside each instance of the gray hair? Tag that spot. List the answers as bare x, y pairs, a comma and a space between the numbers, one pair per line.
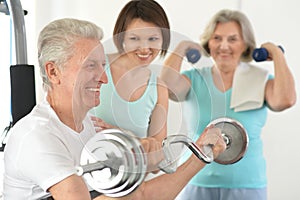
56, 41
224, 16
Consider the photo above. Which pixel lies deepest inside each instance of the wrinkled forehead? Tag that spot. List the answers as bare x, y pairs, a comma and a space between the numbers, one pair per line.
95, 54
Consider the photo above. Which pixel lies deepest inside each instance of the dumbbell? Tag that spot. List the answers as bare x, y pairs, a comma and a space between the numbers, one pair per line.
233, 134
235, 137
259, 54
114, 163
262, 54
193, 55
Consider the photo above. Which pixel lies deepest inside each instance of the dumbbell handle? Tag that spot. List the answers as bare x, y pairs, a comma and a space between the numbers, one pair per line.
82, 169
113, 163
262, 54
169, 165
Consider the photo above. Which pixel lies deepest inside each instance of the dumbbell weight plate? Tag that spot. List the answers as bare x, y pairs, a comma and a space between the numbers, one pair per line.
136, 160
110, 145
236, 138
136, 152
99, 149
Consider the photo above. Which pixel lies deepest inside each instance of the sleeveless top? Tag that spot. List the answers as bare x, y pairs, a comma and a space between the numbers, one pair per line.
131, 116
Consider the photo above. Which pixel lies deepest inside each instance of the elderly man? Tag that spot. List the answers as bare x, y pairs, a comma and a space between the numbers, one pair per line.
44, 147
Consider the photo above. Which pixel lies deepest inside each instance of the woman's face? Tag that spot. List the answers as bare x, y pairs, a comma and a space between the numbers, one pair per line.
226, 44
142, 41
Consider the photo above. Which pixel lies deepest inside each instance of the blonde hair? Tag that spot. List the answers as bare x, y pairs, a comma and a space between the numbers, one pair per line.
224, 16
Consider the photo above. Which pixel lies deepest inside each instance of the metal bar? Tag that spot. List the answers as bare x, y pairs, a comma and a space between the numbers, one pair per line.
17, 15
113, 163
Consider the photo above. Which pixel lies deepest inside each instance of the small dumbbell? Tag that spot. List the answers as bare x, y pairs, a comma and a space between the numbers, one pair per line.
193, 55
262, 54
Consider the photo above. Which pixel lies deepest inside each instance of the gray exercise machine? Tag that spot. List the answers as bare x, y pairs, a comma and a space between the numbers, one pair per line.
23, 97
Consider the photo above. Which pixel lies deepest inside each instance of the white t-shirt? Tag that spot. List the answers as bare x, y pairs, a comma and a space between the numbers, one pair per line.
40, 152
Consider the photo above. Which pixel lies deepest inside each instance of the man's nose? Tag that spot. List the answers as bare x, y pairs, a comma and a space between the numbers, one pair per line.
102, 77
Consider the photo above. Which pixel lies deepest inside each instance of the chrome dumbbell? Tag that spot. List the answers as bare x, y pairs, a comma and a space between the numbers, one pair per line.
233, 134
235, 137
114, 163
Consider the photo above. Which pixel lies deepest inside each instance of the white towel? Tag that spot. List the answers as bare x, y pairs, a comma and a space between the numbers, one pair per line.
248, 87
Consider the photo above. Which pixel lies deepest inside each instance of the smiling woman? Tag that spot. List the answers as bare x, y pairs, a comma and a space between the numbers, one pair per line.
137, 98
229, 40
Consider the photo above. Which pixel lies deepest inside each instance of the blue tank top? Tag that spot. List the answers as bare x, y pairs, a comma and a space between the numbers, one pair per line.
205, 103
132, 116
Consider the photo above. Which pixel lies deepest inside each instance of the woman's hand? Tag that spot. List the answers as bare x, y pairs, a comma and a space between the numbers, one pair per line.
100, 125
185, 45
273, 50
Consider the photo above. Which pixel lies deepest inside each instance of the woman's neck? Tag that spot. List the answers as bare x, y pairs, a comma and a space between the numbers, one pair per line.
223, 77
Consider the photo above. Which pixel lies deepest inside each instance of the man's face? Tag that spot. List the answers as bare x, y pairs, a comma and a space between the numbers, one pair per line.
84, 75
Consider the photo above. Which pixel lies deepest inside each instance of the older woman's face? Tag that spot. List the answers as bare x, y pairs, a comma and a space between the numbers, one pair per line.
142, 41
227, 44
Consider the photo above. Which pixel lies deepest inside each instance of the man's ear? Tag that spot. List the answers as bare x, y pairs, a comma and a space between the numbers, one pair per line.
52, 72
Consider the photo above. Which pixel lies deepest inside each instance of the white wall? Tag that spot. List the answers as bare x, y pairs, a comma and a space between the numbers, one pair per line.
277, 21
